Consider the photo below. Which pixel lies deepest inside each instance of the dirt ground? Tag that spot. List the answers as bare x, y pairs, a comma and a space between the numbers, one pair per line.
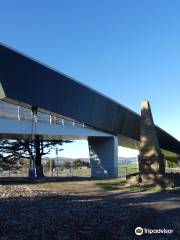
81, 210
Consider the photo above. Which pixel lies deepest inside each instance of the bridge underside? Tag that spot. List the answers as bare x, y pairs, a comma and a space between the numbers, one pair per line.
103, 147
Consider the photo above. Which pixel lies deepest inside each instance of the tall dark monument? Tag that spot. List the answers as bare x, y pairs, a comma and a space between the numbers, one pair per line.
151, 160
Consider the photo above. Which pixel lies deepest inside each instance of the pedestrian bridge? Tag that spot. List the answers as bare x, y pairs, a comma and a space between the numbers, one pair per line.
36, 99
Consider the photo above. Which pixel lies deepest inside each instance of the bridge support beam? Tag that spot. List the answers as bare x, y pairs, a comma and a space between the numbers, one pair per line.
151, 160
103, 153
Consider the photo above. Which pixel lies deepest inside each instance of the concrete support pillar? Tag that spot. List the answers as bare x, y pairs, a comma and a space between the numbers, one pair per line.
103, 153
151, 160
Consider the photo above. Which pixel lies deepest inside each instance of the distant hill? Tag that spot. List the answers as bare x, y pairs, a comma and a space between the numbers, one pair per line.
121, 160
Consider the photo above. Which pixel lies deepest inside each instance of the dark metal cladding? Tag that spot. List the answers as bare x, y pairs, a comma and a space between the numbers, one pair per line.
30, 82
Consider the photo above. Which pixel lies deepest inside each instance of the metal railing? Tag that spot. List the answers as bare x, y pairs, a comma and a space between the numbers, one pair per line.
20, 113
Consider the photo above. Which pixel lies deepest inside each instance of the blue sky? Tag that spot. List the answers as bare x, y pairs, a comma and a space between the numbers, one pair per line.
129, 50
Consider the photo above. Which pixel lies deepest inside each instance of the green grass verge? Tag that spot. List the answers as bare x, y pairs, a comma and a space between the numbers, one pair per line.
120, 184
174, 190
127, 169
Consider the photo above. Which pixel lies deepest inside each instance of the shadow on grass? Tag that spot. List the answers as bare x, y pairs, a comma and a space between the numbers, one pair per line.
22, 180
27, 180
110, 186
174, 190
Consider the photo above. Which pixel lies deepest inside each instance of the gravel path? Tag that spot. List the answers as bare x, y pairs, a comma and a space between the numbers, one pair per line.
33, 212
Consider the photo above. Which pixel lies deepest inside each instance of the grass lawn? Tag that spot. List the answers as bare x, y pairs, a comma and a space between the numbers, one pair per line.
122, 170
120, 184
127, 169
93, 186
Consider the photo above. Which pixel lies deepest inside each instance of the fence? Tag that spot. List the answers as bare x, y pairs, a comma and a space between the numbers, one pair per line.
124, 170
67, 172
48, 172
12, 172
59, 171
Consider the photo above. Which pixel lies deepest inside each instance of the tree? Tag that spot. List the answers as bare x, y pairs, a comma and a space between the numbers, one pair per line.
86, 164
77, 163
11, 159
80, 163
53, 165
66, 164
29, 149
171, 164
11, 163
48, 164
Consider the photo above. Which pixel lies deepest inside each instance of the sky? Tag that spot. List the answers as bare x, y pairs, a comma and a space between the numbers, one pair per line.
127, 49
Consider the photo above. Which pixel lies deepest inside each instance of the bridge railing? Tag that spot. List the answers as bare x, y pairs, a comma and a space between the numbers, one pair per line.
19, 113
